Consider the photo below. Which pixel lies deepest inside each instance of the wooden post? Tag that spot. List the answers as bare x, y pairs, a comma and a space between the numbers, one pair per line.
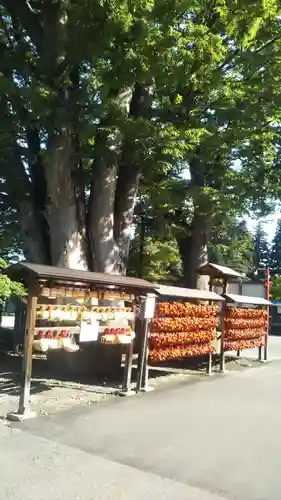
128, 368
143, 356
27, 355
209, 364
146, 314
144, 384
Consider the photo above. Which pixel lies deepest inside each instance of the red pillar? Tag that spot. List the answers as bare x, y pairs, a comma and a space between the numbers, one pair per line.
267, 287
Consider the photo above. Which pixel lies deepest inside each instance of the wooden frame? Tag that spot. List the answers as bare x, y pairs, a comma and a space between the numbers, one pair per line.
239, 299
25, 385
35, 277
177, 293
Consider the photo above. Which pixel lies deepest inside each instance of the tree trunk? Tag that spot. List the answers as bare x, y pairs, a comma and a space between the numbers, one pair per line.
116, 172
67, 246
111, 211
26, 197
104, 249
36, 248
125, 201
106, 243
194, 251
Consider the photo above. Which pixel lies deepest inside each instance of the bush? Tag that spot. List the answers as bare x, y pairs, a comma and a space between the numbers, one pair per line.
8, 287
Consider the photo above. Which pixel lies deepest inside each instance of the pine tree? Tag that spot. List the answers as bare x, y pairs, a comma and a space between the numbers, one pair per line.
231, 244
275, 257
261, 254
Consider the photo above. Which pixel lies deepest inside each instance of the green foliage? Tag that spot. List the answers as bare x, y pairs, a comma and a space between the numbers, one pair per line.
275, 256
214, 73
261, 257
8, 287
154, 253
160, 259
275, 287
232, 245
10, 235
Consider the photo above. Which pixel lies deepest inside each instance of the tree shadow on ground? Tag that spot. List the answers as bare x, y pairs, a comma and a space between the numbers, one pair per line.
44, 378
198, 365
10, 385
10, 376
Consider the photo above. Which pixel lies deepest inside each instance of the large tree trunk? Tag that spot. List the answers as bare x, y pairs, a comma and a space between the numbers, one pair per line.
111, 210
36, 247
33, 222
125, 201
194, 247
129, 176
108, 148
114, 186
194, 251
67, 246
104, 249
23, 196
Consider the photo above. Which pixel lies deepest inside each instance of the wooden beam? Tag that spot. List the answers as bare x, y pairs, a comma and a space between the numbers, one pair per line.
27, 356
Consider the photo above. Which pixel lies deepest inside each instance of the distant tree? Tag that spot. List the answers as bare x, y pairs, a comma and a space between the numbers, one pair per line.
154, 253
231, 244
160, 259
275, 288
11, 243
261, 251
275, 256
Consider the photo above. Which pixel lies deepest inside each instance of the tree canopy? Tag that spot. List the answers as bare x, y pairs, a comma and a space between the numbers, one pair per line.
262, 251
275, 255
107, 103
232, 245
275, 287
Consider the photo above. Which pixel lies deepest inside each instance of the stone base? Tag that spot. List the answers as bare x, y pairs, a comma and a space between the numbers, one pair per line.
148, 388
127, 393
14, 416
223, 371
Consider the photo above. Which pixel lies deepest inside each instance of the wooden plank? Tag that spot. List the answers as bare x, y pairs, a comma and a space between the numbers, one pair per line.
27, 356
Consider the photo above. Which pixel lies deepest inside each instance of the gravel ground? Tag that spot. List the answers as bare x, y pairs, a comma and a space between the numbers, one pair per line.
49, 395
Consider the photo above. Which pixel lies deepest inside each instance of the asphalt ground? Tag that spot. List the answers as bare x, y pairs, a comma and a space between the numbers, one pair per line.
219, 439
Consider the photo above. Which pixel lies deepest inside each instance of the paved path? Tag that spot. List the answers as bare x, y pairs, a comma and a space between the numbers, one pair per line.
219, 439
274, 350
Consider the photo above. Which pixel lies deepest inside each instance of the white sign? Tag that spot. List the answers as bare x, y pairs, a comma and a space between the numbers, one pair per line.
148, 307
89, 330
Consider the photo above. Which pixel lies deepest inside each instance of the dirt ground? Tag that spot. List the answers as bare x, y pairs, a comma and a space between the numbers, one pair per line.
50, 395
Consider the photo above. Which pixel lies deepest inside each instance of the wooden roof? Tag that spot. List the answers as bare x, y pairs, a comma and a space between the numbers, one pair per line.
245, 299
27, 272
217, 271
187, 293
